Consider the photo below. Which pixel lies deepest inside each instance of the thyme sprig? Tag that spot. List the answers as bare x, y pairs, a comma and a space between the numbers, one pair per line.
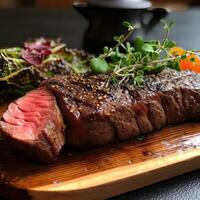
129, 62
120, 39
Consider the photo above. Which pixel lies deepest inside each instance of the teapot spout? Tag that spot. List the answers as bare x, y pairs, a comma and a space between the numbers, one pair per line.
83, 9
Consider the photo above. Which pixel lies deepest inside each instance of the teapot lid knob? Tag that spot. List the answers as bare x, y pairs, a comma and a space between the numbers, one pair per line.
126, 4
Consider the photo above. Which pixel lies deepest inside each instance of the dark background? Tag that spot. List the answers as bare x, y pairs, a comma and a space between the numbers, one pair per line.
21, 24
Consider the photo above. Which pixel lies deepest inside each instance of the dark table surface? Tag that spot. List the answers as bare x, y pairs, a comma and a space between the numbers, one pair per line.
19, 25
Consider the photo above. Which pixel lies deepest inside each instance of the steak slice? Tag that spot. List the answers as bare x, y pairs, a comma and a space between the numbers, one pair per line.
34, 125
96, 115
179, 93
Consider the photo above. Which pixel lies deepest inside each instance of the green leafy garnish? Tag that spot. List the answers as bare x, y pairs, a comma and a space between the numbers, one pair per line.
98, 65
148, 48
19, 74
129, 62
10, 63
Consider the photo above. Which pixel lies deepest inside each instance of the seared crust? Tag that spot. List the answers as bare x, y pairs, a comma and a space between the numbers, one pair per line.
97, 115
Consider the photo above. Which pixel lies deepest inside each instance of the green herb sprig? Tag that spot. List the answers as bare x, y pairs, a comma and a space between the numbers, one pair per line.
98, 64
129, 62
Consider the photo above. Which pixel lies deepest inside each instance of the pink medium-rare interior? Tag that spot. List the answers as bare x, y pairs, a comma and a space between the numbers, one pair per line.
26, 117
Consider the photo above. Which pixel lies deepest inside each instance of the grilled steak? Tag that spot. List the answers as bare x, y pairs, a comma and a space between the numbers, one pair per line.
96, 115
33, 124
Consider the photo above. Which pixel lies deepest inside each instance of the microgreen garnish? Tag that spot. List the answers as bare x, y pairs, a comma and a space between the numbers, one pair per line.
98, 64
10, 62
129, 62
22, 69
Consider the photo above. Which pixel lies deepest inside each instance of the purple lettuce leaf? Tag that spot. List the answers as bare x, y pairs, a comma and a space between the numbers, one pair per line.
35, 52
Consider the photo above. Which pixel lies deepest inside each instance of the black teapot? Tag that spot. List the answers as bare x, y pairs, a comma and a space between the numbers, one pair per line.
106, 17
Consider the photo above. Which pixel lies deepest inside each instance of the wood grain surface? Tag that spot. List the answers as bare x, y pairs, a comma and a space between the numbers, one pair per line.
103, 172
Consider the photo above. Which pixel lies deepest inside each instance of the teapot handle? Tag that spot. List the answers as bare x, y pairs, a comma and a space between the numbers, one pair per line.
157, 15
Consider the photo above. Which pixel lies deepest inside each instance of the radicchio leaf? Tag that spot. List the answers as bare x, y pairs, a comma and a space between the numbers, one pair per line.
39, 44
32, 56
35, 52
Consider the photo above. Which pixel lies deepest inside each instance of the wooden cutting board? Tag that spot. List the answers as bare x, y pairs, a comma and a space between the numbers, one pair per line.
103, 172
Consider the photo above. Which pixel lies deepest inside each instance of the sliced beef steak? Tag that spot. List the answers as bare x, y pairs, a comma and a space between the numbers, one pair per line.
96, 115
34, 124
179, 93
